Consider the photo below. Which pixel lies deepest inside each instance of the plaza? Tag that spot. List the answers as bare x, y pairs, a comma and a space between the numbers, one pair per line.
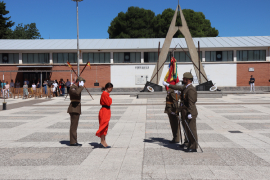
233, 132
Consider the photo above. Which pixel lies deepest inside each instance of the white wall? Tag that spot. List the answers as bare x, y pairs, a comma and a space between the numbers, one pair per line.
222, 74
123, 76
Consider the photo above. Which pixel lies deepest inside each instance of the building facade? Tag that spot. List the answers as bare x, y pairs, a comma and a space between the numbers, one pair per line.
129, 63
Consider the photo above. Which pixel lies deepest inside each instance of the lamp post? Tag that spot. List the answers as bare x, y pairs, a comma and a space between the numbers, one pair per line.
78, 52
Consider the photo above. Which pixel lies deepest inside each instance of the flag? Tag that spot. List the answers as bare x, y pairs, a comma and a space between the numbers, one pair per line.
172, 76
88, 64
69, 65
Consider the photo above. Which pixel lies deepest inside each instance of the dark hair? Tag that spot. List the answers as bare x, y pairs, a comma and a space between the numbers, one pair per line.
108, 85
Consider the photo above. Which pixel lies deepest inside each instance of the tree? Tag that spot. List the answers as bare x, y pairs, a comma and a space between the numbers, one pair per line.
28, 31
5, 24
135, 23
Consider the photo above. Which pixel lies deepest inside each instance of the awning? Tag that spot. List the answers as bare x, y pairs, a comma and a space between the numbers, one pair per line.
34, 66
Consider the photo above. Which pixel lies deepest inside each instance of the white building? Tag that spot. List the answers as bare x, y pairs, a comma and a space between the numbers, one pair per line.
228, 61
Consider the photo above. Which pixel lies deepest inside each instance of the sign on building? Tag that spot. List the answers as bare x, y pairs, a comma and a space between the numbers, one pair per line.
140, 79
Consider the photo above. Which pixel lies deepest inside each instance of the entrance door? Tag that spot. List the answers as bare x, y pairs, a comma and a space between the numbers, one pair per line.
34, 77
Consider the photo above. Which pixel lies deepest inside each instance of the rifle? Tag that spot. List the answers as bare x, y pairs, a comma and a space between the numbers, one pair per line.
77, 76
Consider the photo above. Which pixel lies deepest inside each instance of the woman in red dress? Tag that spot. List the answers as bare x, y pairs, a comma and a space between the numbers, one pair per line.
104, 114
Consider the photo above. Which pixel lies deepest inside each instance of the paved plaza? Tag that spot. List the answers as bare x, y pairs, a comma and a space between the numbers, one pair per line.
233, 132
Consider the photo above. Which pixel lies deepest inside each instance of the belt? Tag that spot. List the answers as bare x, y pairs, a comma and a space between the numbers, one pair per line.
75, 101
169, 102
108, 107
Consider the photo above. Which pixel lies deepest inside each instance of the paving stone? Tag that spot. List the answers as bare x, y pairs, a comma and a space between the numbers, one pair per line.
10, 124
212, 137
66, 156
139, 139
39, 112
253, 126
82, 125
224, 107
50, 109
237, 111
21, 117
58, 137
122, 100
153, 157
240, 157
158, 135
266, 134
247, 117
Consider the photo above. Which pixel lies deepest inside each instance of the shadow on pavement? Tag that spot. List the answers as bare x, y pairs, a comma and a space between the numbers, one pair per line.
65, 142
95, 145
163, 142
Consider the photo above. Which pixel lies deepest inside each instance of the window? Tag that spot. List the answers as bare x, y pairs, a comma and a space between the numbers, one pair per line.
96, 57
127, 57
252, 55
184, 57
64, 57
212, 56
150, 57
35, 58
9, 58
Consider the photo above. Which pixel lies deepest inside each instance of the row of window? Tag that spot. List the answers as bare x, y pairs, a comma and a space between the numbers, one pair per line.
129, 57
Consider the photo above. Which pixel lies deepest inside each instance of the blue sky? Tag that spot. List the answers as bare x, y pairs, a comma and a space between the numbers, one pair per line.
56, 19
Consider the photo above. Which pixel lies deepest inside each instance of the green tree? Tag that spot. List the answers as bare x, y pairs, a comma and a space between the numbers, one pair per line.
5, 23
136, 23
28, 31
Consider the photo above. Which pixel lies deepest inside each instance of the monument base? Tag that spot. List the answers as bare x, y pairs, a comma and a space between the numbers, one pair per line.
156, 87
204, 86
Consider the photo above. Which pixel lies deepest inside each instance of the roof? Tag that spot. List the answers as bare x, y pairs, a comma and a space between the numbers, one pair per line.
118, 44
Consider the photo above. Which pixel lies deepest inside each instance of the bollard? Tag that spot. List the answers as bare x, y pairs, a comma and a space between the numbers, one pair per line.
4, 105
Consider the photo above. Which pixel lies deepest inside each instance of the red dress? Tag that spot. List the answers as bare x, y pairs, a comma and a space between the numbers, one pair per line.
104, 114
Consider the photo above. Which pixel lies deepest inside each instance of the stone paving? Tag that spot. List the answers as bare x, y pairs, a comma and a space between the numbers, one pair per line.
233, 132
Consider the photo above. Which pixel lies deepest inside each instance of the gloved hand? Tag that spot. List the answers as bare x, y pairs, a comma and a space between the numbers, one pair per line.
81, 83
189, 116
166, 84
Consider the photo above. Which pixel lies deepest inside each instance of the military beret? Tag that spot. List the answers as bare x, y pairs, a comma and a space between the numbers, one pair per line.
80, 79
187, 75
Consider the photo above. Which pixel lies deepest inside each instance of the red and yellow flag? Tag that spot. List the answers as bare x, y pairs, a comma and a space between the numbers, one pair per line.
69, 65
88, 64
172, 75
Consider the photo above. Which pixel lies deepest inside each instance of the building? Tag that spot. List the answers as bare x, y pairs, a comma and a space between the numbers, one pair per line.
128, 63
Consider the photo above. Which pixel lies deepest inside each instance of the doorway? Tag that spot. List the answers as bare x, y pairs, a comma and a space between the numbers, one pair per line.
34, 77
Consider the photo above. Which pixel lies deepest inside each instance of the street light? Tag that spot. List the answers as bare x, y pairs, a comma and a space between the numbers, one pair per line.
78, 52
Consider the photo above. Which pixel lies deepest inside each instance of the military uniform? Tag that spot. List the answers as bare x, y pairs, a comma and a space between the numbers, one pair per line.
188, 106
172, 107
74, 110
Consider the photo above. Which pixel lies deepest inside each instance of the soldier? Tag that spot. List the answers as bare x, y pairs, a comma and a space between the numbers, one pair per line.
74, 109
172, 110
188, 109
